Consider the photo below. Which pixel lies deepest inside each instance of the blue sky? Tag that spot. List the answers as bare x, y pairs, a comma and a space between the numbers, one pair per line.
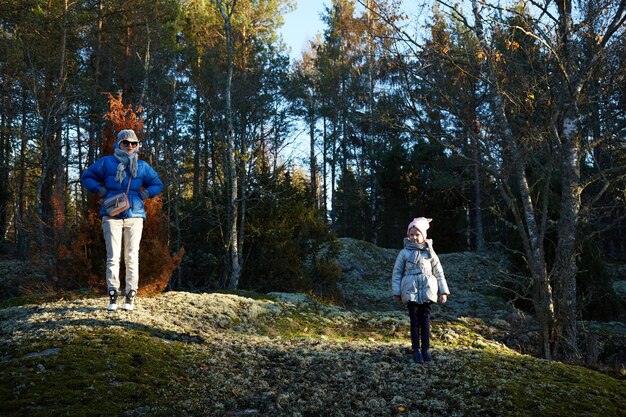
302, 25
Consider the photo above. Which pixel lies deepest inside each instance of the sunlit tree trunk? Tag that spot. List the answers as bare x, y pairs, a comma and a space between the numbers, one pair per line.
232, 244
570, 135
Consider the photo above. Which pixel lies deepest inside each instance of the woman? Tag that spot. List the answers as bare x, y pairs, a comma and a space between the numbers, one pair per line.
108, 176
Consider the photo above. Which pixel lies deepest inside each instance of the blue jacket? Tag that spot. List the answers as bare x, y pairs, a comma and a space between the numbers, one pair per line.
417, 274
101, 175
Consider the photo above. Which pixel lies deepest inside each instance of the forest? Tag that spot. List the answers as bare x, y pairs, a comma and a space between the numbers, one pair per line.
505, 122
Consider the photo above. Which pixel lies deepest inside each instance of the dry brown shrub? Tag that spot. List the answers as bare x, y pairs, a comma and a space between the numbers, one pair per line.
156, 262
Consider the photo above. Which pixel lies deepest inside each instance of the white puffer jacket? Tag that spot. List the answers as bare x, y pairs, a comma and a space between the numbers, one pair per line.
417, 274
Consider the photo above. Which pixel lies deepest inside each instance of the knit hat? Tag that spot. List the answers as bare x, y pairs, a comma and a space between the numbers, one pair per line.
421, 224
126, 134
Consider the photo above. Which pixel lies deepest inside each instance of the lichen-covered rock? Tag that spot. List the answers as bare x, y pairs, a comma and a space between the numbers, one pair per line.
472, 278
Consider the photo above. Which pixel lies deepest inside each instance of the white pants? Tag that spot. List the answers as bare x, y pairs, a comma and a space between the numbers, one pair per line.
122, 234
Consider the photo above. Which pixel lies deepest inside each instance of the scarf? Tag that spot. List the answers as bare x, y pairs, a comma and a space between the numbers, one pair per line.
126, 160
418, 246
422, 246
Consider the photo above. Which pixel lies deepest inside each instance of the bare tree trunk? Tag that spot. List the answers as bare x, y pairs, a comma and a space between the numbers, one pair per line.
196, 155
526, 221
575, 77
146, 66
50, 186
58, 202
347, 191
242, 196
312, 160
81, 198
210, 156
92, 152
242, 184
565, 262
325, 170
478, 215
232, 244
369, 143
542, 295
20, 229
5, 162
333, 162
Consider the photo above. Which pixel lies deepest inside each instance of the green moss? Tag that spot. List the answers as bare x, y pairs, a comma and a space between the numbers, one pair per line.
247, 294
46, 298
90, 374
464, 333
550, 388
311, 323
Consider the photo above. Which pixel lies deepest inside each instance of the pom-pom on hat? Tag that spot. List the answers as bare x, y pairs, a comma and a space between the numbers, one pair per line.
421, 224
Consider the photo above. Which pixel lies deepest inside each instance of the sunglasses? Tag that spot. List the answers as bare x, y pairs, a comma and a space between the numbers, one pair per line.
130, 144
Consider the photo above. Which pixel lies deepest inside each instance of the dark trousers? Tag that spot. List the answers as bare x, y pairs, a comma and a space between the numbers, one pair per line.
420, 325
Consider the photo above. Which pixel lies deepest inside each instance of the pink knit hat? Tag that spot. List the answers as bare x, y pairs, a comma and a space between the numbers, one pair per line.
421, 224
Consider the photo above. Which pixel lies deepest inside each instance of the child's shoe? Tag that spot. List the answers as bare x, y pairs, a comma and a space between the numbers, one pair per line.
129, 300
112, 299
417, 357
426, 356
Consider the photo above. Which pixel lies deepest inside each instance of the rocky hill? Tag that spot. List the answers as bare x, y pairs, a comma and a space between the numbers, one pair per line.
284, 354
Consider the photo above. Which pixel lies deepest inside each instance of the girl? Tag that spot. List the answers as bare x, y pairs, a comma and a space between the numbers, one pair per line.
416, 281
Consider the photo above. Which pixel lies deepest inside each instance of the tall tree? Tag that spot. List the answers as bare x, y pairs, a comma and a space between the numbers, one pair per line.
227, 10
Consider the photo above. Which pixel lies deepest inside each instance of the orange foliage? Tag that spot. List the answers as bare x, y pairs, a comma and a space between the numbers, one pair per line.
156, 264
87, 254
58, 208
121, 117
